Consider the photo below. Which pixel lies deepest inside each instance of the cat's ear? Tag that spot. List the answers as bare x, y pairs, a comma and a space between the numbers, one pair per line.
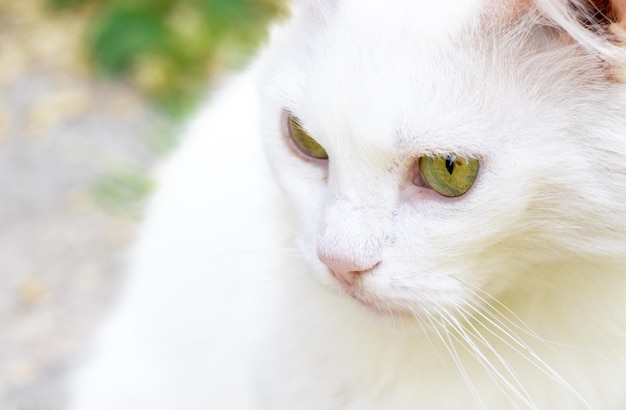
609, 11
597, 25
593, 11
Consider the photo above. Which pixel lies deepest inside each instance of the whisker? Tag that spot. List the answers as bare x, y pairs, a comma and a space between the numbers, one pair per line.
465, 340
523, 349
531, 356
393, 319
496, 315
455, 356
524, 327
444, 363
519, 391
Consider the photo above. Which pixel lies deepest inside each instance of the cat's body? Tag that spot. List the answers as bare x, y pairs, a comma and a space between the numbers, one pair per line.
510, 296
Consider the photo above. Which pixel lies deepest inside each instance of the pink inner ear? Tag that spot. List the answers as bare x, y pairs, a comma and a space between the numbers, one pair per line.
619, 11
614, 10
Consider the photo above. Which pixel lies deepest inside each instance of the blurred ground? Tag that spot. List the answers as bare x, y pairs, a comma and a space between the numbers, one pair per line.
74, 154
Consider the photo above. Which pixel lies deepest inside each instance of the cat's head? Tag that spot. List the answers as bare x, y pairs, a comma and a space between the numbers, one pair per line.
436, 152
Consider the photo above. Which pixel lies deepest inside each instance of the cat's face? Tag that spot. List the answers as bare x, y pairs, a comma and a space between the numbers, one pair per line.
381, 88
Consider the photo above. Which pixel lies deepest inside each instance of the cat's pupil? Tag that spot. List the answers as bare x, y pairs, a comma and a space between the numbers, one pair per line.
450, 164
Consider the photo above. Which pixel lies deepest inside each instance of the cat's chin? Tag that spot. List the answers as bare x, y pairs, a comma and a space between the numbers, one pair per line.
379, 309
369, 305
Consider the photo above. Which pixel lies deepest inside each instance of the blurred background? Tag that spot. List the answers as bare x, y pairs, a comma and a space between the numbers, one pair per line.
92, 93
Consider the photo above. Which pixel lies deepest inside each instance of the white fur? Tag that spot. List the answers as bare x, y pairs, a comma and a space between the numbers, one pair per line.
511, 296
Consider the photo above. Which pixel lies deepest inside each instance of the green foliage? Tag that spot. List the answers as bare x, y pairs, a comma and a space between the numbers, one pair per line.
170, 48
60, 4
121, 35
123, 192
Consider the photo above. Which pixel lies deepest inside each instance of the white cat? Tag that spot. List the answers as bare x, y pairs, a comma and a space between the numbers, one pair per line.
449, 232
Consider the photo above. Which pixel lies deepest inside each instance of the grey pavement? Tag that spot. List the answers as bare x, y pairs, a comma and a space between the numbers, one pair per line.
72, 151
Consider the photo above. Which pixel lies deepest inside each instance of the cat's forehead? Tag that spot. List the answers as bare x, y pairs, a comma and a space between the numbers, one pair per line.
421, 20
368, 66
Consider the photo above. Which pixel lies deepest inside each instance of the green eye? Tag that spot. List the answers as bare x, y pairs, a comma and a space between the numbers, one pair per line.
305, 144
449, 176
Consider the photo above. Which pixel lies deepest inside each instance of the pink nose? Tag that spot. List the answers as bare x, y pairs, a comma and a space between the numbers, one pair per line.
346, 271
